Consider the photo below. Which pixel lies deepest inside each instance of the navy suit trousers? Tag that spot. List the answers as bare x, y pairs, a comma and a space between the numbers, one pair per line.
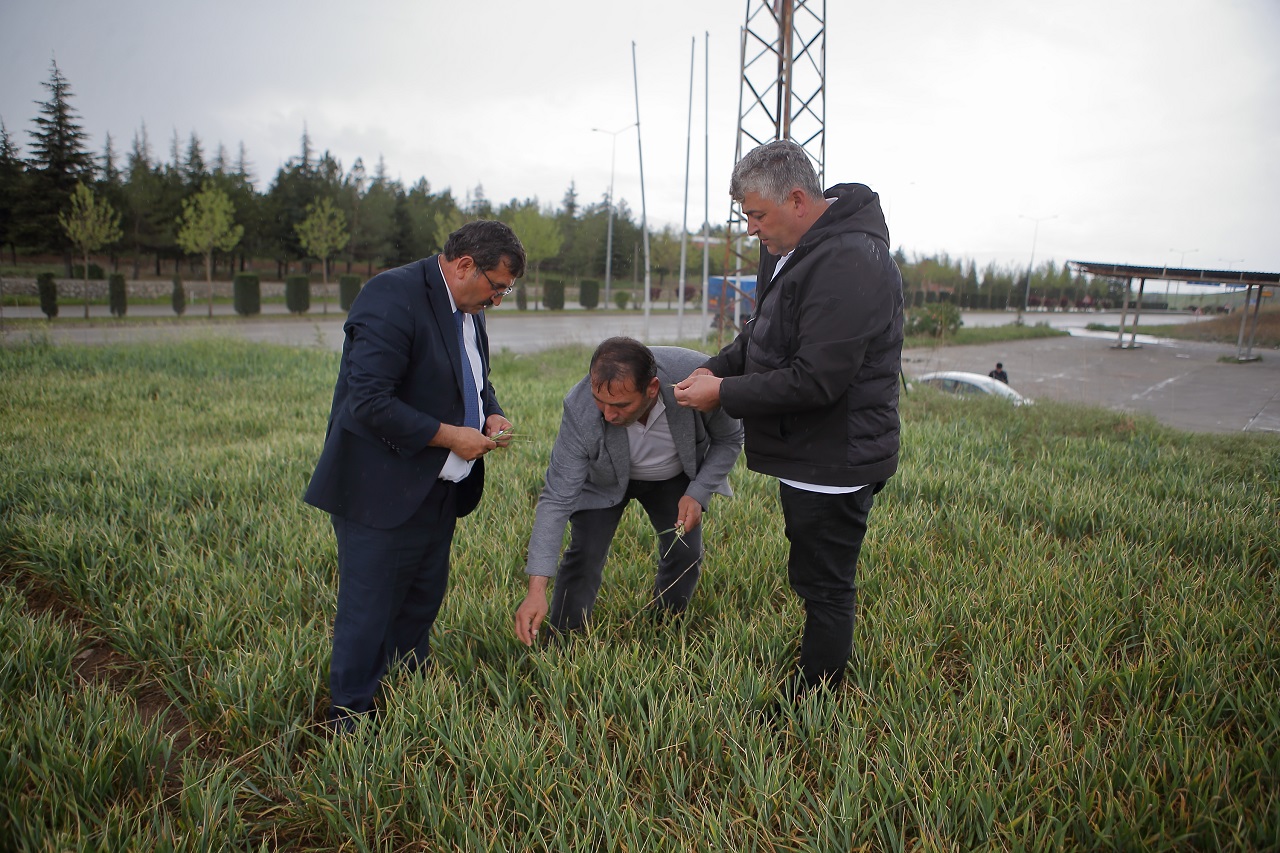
391, 584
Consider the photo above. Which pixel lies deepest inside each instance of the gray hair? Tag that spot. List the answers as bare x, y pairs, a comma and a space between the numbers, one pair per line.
773, 170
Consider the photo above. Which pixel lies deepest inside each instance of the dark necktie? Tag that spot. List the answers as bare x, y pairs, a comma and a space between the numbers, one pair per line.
470, 399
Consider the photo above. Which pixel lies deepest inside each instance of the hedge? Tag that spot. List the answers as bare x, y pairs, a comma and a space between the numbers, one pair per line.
348, 287
48, 294
248, 295
179, 296
117, 295
297, 294
553, 295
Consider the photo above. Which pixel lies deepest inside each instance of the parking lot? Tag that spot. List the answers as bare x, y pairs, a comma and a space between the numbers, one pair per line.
1182, 384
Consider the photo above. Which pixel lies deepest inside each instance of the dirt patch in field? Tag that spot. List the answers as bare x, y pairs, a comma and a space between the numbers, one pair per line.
97, 662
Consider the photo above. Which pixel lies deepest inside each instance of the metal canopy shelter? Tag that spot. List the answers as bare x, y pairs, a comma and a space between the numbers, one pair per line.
1222, 278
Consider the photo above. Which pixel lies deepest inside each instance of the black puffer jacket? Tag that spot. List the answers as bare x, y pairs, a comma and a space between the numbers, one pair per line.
814, 374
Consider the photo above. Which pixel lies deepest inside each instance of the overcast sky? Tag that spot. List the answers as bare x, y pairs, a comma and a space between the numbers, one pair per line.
1138, 131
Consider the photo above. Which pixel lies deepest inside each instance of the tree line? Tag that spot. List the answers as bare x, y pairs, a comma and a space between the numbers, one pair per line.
363, 221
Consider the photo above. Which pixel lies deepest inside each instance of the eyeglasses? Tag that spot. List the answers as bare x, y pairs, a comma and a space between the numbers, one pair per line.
498, 289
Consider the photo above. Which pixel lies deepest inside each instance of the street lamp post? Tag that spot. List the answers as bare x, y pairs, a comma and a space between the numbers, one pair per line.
1182, 262
1031, 265
608, 258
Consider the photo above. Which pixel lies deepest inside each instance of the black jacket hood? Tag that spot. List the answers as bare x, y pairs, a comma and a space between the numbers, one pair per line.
857, 209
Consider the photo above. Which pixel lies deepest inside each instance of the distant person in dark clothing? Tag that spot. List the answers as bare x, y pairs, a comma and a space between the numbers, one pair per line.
999, 373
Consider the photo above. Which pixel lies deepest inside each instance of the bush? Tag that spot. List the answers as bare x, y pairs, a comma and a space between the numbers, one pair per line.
937, 319
179, 296
348, 287
297, 294
247, 296
621, 298
48, 294
96, 273
553, 295
589, 294
117, 295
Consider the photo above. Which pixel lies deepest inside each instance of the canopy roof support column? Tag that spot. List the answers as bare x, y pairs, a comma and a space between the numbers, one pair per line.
1124, 312
1137, 311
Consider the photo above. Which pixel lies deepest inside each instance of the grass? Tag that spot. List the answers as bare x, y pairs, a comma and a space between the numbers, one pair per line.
1218, 330
1068, 638
984, 335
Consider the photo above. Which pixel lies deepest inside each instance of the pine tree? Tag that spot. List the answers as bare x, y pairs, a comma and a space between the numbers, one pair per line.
11, 177
59, 160
194, 170
244, 168
109, 170
141, 198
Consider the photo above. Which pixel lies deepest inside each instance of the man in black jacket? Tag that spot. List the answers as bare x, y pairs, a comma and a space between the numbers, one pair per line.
814, 378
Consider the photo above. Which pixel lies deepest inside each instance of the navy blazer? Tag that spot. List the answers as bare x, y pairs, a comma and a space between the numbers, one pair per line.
401, 377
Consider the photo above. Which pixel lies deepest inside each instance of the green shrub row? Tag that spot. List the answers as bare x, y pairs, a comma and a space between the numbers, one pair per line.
297, 294
246, 288
246, 294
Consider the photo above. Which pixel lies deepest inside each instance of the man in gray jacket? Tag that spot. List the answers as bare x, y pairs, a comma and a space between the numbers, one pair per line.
623, 437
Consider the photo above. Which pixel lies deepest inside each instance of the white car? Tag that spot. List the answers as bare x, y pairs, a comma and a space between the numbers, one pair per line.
960, 382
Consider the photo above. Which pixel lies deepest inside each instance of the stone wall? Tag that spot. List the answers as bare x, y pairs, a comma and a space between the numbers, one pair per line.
73, 288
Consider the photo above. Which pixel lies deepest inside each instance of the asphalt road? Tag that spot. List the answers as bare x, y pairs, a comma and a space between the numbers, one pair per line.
1184, 385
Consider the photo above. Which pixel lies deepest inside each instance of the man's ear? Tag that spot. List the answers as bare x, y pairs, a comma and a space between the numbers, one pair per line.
654, 386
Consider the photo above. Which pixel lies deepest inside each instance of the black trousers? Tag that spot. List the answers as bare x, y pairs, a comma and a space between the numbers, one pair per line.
582, 566
825, 533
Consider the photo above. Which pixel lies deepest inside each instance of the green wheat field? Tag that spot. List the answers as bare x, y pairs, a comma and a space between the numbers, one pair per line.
1068, 637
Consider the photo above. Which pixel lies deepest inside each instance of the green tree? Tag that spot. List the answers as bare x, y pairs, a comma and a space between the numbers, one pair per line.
664, 248
194, 170
11, 178
419, 207
89, 225
539, 232
208, 224
446, 222
59, 161
297, 184
322, 233
377, 220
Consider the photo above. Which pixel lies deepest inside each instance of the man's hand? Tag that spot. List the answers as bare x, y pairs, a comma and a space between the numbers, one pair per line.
700, 391
466, 442
688, 514
532, 610
498, 429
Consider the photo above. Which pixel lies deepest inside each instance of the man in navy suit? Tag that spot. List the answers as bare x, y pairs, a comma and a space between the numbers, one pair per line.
413, 415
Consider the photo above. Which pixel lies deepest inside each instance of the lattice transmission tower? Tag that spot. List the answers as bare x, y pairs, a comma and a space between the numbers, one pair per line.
782, 94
